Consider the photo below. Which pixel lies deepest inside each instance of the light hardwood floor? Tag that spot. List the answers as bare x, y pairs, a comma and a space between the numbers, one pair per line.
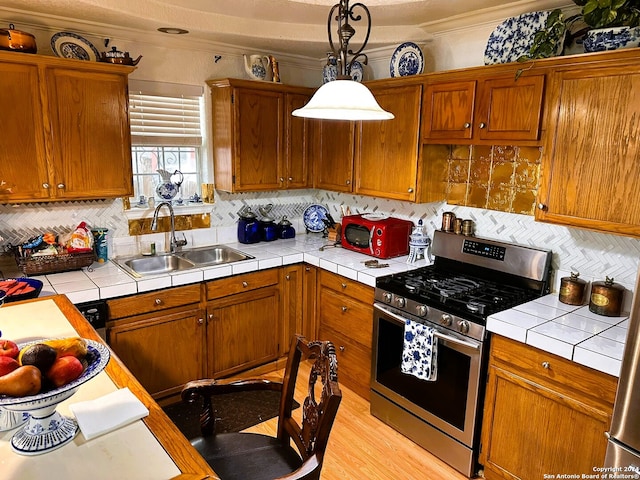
361, 447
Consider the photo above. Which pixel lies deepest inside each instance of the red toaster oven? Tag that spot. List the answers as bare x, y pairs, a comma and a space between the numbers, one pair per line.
376, 235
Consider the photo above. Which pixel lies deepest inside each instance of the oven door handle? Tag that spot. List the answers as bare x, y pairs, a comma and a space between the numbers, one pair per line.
441, 336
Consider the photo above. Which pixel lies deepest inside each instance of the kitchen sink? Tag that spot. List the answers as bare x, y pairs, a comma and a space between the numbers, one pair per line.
144, 265
215, 255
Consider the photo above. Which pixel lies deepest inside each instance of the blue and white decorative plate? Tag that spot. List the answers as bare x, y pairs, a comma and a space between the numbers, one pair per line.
513, 38
406, 60
313, 216
357, 71
71, 45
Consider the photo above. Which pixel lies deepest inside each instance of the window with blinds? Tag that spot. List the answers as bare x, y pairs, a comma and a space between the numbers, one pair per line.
166, 134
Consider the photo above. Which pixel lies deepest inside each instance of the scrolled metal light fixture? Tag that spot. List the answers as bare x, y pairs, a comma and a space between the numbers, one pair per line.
344, 98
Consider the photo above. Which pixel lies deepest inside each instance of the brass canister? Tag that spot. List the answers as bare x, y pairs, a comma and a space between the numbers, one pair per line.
572, 289
447, 221
467, 228
457, 226
606, 298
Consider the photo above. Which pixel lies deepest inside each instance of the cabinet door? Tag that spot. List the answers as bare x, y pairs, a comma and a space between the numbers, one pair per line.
163, 352
258, 140
333, 164
592, 157
509, 109
243, 331
292, 289
309, 311
448, 111
387, 160
523, 417
24, 173
296, 149
90, 134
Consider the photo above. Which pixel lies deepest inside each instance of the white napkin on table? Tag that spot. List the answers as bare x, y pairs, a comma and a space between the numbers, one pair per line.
108, 413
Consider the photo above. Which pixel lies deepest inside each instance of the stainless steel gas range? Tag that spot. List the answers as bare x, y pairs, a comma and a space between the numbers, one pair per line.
470, 279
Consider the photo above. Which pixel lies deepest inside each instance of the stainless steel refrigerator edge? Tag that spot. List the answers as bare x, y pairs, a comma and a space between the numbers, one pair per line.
623, 447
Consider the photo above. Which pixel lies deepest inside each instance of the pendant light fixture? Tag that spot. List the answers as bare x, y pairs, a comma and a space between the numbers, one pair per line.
344, 98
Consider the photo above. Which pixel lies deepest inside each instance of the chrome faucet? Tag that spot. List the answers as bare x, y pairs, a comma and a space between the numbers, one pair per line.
176, 245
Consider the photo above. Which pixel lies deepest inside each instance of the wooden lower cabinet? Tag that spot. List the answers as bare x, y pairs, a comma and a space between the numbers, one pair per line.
244, 324
345, 317
162, 343
543, 414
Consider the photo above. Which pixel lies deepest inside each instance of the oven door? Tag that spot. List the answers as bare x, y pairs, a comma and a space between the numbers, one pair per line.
450, 403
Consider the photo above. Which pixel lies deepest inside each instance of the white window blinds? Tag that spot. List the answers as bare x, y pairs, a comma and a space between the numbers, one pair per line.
165, 114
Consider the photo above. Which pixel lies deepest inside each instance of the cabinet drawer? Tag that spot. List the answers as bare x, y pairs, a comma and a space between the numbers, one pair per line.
556, 373
153, 301
354, 361
241, 283
345, 315
354, 289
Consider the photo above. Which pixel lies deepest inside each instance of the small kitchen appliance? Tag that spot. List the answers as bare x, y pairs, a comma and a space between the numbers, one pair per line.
469, 279
376, 235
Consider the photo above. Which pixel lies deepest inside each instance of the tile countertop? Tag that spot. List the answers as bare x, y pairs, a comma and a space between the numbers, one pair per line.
569, 331
108, 280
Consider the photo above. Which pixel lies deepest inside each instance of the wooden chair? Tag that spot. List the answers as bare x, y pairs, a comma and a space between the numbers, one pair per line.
250, 456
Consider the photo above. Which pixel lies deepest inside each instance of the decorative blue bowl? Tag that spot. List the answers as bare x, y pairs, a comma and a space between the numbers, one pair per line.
613, 38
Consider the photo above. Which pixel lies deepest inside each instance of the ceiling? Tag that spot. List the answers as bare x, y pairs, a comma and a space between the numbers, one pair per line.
296, 27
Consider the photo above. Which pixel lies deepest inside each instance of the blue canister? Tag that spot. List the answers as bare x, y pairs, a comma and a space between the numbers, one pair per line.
100, 244
269, 230
285, 228
248, 228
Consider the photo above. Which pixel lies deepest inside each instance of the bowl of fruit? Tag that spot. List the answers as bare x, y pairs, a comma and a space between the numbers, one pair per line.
35, 377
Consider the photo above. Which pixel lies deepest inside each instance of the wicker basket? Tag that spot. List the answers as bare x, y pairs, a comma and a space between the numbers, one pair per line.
54, 263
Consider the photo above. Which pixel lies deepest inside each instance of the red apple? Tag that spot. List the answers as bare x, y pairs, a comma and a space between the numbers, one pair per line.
8, 365
8, 349
64, 370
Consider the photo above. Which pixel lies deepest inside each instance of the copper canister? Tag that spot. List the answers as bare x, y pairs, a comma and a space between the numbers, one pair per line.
606, 298
572, 289
447, 221
457, 226
467, 228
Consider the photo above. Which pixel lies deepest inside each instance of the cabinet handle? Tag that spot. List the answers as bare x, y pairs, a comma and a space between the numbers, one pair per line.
287, 277
344, 309
45, 185
410, 190
546, 365
245, 284
200, 321
61, 185
541, 206
467, 125
158, 301
344, 285
341, 348
482, 125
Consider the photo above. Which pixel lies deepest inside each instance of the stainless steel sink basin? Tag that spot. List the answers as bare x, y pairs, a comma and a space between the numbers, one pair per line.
140, 266
157, 264
215, 255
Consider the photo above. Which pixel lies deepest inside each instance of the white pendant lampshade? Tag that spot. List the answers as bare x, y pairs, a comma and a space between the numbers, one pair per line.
343, 100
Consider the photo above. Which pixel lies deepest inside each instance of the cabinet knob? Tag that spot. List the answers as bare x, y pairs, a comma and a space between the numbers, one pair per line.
467, 125
348, 182
542, 206
158, 301
291, 179
281, 179
307, 269
546, 365
200, 321
45, 185
245, 284
344, 309
410, 190
341, 348
210, 316
482, 125
343, 285
61, 185
288, 277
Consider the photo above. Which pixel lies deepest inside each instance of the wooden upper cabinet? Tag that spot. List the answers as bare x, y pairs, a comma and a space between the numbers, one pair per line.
485, 110
67, 133
334, 154
386, 161
591, 159
256, 145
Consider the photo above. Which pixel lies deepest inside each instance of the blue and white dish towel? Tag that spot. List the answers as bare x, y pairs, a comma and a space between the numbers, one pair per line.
420, 351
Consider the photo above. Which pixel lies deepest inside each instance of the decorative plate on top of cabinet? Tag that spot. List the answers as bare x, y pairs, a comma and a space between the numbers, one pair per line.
71, 45
406, 60
513, 38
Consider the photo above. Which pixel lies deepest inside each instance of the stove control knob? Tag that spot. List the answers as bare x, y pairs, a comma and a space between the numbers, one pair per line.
463, 326
387, 297
446, 320
421, 310
400, 302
